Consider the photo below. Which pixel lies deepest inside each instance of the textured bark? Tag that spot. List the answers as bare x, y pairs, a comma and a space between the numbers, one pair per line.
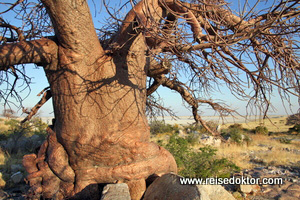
42, 51
101, 134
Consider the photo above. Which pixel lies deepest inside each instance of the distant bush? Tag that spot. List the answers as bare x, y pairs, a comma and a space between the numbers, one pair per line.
261, 130
236, 134
202, 163
295, 128
15, 129
33, 127
192, 128
38, 126
193, 138
293, 119
20, 139
285, 140
236, 126
161, 127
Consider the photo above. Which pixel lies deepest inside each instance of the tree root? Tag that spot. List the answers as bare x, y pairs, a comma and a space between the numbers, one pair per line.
51, 175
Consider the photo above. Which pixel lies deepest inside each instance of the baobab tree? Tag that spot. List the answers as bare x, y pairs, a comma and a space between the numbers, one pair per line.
102, 80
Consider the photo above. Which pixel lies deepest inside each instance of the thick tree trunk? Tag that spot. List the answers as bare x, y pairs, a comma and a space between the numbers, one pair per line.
100, 134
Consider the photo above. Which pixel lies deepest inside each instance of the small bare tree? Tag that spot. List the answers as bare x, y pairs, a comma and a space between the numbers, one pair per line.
101, 83
8, 113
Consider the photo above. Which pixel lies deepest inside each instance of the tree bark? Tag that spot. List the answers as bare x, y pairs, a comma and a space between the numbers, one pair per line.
100, 134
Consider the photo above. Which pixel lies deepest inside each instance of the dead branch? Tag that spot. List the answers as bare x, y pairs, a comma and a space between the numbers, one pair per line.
153, 87
18, 31
12, 6
192, 101
46, 96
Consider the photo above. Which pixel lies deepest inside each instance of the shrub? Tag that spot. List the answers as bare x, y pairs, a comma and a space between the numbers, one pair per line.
192, 138
261, 130
236, 133
295, 128
285, 140
192, 128
39, 127
160, 127
236, 126
33, 127
16, 129
202, 163
293, 119
17, 135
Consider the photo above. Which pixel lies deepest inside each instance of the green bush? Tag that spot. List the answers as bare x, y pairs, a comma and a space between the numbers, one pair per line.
16, 130
261, 130
285, 140
38, 126
199, 128
295, 128
293, 119
190, 128
160, 127
192, 138
236, 126
236, 133
202, 163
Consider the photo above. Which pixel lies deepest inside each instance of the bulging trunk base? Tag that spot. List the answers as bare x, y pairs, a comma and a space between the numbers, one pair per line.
52, 176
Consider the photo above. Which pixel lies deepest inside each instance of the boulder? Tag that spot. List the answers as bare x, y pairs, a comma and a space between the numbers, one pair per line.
118, 191
182, 133
16, 167
210, 140
168, 187
215, 192
17, 177
249, 189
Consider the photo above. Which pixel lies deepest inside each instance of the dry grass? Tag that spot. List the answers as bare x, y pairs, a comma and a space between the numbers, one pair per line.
265, 148
274, 124
3, 127
237, 154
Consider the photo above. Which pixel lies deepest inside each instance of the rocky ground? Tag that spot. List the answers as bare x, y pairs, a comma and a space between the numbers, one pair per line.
288, 190
16, 187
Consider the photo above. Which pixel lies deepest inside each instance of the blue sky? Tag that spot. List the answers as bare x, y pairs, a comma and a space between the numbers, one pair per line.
170, 98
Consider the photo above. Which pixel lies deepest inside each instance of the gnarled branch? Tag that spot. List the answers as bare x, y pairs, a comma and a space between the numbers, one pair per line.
191, 100
40, 52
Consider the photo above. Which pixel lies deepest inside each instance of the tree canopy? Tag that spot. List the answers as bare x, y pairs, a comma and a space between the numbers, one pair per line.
252, 48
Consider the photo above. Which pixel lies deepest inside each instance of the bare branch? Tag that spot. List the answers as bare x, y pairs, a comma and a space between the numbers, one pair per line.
12, 6
41, 52
153, 87
19, 32
192, 101
47, 95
